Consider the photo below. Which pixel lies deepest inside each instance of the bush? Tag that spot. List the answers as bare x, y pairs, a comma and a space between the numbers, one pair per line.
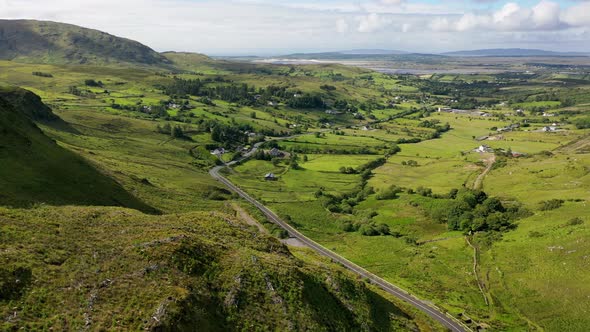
582, 123
93, 83
389, 193
41, 74
574, 222
374, 230
280, 233
551, 204
426, 192
368, 230
348, 227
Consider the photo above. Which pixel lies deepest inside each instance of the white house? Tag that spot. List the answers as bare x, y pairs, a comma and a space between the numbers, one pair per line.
218, 151
484, 149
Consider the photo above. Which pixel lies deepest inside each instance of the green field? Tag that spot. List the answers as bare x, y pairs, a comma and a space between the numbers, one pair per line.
388, 215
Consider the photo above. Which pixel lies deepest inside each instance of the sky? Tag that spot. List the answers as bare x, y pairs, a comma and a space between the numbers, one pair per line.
274, 27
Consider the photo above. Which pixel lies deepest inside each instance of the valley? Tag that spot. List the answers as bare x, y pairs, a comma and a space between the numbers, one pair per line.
116, 200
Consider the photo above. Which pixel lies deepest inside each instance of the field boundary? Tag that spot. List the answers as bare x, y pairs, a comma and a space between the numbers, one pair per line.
446, 319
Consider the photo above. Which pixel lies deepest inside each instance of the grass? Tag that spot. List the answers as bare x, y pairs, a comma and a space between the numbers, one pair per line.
177, 272
439, 270
529, 286
37, 170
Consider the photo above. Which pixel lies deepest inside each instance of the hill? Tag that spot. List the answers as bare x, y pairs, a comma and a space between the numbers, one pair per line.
58, 43
512, 52
28, 103
37, 170
372, 52
201, 270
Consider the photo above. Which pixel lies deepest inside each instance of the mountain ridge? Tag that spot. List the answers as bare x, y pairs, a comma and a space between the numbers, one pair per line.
511, 52
33, 41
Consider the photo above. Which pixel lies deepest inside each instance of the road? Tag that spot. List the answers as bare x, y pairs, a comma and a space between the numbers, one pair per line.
478, 184
446, 320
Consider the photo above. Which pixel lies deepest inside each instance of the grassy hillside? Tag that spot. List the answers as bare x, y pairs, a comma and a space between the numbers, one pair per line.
28, 103
35, 169
397, 218
74, 268
59, 43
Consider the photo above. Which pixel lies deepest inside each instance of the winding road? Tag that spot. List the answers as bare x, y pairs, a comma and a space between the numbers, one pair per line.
446, 320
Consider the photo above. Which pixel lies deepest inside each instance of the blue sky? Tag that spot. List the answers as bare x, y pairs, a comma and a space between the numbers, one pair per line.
272, 27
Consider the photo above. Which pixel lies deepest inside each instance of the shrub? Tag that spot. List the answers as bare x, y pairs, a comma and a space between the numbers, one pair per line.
551, 204
93, 83
574, 222
280, 233
368, 230
41, 74
389, 193
348, 227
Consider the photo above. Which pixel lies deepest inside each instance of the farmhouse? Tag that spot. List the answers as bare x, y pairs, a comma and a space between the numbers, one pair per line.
510, 127
274, 152
549, 129
484, 149
482, 113
548, 114
218, 151
333, 112
270, 177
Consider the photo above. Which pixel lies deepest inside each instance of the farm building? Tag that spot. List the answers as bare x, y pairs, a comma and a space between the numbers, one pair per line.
270, 177
511, 127
218, 151
274, 152
549, 129
484, 149
333, 112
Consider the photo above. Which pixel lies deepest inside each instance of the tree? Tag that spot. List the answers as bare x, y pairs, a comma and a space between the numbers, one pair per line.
93, 83
177, 132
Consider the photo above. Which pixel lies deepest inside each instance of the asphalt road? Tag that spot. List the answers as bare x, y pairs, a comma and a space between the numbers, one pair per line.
446, 320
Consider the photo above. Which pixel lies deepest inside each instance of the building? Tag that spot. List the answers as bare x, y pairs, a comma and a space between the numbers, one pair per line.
549, 129
511, 127
484, 149
270, 177
218, 151
274, 152
333, 112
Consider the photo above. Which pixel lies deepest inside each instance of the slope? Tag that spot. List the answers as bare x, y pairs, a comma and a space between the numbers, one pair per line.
58, 43
117, 269
37, 170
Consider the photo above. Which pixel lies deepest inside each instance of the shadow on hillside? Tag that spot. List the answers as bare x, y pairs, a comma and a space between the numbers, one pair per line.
36, 170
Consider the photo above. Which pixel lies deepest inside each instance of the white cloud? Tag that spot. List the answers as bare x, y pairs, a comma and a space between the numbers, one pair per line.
372, 22
279, 26
545, 16
341, 25
578, 15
